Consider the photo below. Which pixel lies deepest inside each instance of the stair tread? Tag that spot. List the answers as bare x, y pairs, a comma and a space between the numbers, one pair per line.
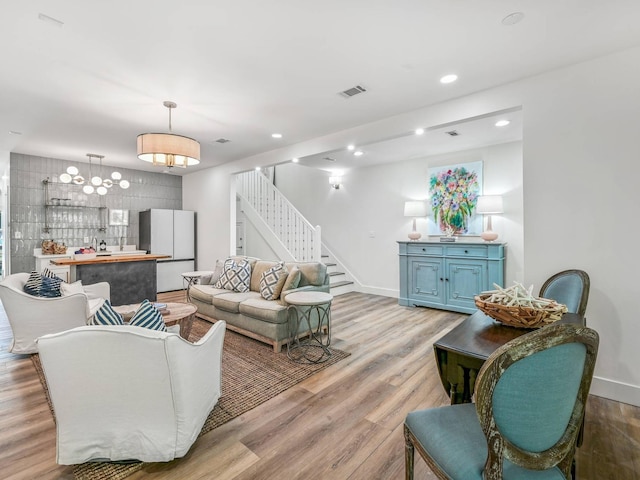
340, 284
329, 264
333, 274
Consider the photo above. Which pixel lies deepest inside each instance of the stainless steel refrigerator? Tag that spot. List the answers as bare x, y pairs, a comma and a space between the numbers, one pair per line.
169, 232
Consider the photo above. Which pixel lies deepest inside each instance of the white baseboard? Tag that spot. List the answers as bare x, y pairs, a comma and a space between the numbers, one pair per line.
385, 292
618, 391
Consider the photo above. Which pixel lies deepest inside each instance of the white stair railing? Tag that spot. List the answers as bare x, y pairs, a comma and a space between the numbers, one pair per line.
300, 238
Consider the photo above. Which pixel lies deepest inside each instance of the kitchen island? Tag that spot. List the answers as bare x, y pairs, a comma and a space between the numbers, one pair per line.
132, 277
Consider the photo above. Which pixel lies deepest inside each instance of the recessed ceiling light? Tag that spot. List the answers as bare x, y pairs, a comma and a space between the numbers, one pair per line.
419, 131
502, 123
449, 78
513, 18
276, 135
358, 153
258, 169
295, 160
351, 147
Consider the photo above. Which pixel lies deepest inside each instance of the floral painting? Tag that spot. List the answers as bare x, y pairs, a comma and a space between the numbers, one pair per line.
453, 194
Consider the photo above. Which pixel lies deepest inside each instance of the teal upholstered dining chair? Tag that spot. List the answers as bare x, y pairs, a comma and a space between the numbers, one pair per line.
570, 287
530, 398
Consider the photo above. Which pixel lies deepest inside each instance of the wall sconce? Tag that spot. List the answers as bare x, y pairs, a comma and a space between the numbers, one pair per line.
415, 209
335, 182
488, 205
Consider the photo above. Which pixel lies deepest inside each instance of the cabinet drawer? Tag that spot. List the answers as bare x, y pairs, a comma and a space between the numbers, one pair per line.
476, 251
423, 249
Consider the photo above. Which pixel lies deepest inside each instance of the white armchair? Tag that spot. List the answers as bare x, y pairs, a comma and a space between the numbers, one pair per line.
31, 317
124, 393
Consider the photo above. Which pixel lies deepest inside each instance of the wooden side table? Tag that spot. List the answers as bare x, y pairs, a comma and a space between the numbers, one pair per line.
309, 315
461, 353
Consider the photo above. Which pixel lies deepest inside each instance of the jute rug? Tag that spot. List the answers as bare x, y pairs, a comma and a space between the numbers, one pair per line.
251, 374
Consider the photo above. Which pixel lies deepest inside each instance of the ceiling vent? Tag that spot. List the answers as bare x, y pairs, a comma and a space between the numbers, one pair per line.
329, 159
350, 92
222, 140
452, 133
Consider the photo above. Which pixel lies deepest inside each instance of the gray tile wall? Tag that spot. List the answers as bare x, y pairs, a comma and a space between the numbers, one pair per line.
72, 225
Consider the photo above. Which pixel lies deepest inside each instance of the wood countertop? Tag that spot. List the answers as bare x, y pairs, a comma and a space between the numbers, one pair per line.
109, 259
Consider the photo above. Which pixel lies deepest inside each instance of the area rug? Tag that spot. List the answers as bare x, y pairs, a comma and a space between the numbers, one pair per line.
251, 374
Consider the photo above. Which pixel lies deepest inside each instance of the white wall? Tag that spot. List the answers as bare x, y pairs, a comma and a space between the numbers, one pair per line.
363, 220
580, 167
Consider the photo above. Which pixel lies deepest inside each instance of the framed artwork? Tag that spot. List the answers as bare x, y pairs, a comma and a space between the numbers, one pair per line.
453, 194
118, 217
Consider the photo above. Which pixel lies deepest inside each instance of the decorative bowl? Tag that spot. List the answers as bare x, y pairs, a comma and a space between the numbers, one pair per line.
520, 316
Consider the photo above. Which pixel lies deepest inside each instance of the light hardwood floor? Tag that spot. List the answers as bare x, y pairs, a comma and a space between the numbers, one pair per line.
343, 423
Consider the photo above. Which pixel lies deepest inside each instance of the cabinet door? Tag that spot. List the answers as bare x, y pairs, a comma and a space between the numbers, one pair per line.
465, 279
183, 234
161, 236
169, 275
426, 280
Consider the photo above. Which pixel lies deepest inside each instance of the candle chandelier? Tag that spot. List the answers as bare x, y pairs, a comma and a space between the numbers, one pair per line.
95, 183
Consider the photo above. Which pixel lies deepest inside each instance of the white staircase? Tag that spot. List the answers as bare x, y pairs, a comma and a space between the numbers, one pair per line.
286, 230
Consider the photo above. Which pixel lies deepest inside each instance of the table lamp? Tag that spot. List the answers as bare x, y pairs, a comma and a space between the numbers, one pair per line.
415, 209
488, 205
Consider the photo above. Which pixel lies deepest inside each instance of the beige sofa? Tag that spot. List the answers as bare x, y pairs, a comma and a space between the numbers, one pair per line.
249, 313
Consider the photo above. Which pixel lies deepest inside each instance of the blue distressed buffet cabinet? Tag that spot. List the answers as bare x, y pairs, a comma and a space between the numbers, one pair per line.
449, 275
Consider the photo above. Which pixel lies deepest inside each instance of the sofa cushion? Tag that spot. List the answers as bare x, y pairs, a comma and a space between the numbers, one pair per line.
205, 293
236, 276
265, 310
257, 270
106, 315
313, 273
231, 301
148, 316
293, 279
213, 278
272, 280
71, 288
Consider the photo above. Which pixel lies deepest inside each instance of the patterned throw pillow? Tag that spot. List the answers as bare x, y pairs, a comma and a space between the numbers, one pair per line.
34, 284
106, 315
46, 284
235, 276
148, 316
272, 280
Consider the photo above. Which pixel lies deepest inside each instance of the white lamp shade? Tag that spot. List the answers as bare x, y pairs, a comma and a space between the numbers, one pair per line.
415, 209
168, 149
489, 204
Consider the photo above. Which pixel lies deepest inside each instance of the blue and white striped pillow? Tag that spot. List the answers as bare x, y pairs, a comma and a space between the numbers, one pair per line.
33, 284
106, 315
148, 316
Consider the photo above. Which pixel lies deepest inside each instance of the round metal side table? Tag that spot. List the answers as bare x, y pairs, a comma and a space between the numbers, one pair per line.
309, 318
192, 278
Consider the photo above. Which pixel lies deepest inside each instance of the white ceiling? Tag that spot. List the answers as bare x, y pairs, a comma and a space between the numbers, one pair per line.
243, 69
